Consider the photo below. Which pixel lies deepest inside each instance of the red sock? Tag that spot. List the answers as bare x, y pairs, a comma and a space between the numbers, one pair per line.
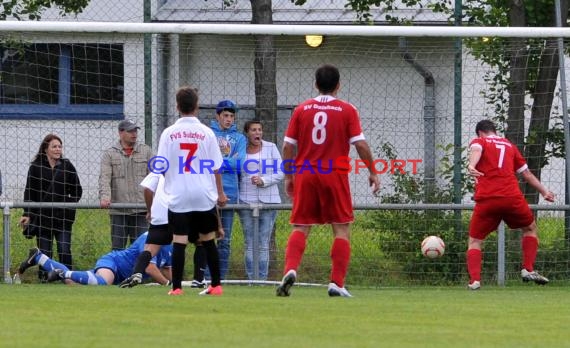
294, 251
529, 247
340, 257
474, 258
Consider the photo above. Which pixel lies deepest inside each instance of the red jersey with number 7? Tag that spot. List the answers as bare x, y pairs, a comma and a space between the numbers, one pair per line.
500, 160
323, 129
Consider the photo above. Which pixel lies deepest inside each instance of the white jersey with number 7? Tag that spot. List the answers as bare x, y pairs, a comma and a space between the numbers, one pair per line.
192, 153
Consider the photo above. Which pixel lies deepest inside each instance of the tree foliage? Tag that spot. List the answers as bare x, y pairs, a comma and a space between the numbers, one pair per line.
32, 9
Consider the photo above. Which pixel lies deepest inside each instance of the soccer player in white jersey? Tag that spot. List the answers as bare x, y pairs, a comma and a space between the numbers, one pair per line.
158, 234
193, 186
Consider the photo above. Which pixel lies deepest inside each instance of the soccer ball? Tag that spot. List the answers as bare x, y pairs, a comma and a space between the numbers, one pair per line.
433, 247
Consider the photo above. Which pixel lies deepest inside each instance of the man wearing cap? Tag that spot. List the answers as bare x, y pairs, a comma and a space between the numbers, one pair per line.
232, 145
123, 167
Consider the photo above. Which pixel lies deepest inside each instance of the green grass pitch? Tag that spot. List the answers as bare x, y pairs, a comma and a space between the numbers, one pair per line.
56, 315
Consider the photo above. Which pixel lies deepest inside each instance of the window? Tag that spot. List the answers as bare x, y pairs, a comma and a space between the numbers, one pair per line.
55, 81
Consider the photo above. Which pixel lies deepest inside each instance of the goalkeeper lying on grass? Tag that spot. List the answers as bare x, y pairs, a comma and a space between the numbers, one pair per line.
111, 268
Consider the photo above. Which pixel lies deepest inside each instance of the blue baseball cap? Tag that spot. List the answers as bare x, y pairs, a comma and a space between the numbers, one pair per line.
226, 104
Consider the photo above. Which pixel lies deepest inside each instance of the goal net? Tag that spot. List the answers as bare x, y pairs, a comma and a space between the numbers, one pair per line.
419, 91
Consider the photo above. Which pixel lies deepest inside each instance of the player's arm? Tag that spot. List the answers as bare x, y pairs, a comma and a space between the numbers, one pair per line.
149, 185
155, 273
365, 155
148, 197
537, 185
222, 198
167, 272
475, 153
220, 233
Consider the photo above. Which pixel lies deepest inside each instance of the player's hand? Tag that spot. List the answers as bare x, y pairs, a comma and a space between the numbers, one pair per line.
474, 172
549, 196
289, 185
105, 203
220, 234
222, 199
148, 216
24, 221
374, 182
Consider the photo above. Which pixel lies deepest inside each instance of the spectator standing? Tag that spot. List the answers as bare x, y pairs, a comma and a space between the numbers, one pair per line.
232, 145
123, 166
259, 181
52, 178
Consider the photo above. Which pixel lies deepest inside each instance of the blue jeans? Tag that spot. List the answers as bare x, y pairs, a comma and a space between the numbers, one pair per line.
266, 222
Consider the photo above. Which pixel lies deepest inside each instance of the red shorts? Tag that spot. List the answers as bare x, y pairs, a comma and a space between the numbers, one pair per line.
489, 212
321, 199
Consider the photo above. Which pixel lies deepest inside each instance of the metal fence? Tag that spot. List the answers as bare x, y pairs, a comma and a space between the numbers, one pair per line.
419, 98
385, 245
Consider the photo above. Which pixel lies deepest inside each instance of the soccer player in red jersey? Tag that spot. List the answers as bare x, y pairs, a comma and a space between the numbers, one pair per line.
494, 162
318, 140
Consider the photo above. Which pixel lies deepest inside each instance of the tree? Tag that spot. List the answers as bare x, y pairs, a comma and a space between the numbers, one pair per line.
265, 67
32, 9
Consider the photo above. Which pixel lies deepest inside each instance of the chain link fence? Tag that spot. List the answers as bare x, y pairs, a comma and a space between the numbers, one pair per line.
405, 89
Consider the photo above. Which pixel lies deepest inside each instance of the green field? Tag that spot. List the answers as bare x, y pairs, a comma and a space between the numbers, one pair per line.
55, 315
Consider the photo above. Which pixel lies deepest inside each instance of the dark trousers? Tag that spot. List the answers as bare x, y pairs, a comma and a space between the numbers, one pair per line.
126, 228
44, 242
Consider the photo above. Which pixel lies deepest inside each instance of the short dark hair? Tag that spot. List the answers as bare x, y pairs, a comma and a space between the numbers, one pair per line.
485, 126
327, 77
187, 99
249, 123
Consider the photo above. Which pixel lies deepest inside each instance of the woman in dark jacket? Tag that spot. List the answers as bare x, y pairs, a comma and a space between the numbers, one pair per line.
52, 178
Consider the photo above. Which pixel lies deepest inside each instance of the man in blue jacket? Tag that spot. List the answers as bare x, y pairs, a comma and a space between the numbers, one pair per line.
233, 146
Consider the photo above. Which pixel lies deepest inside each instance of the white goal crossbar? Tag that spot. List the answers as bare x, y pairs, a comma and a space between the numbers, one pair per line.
277, 29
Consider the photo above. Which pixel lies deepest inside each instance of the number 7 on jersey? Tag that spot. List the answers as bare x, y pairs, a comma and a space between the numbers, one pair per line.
191, 148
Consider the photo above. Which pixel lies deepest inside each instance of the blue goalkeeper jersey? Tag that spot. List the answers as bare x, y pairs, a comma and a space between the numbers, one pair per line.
124, 260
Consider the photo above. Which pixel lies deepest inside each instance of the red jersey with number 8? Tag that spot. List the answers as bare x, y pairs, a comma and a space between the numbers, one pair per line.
323, 129
500, 160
